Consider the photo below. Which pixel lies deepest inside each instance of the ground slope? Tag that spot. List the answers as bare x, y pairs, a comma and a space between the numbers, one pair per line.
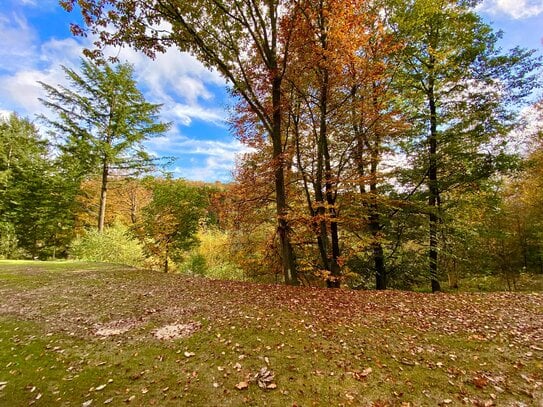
87, 334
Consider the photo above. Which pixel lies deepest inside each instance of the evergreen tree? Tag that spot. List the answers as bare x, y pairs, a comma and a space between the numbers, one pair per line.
34, 196
105, 120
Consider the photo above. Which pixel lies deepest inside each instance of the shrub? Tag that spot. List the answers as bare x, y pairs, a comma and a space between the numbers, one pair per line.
114, 245
211, 258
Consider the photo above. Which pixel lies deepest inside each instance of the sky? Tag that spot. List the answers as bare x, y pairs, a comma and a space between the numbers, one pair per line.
35, 41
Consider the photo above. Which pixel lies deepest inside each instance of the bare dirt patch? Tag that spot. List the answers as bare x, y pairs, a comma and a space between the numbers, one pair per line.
176, 331
114, 328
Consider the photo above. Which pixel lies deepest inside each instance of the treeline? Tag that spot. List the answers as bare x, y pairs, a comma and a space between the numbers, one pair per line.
380, 135
373, 122
228, 230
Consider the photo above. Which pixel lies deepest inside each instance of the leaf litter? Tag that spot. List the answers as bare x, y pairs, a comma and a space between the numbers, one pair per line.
116, 304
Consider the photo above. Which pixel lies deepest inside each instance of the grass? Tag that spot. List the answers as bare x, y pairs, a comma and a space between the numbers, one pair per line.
324, 347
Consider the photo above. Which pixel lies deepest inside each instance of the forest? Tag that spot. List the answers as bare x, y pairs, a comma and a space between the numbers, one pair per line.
390, 148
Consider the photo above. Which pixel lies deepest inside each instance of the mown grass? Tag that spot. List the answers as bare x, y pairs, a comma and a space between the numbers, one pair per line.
324, 347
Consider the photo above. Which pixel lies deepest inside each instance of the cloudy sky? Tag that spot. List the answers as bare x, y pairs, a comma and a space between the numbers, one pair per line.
35, 41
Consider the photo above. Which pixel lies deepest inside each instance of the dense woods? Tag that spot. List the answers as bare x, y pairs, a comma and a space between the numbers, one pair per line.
380, 135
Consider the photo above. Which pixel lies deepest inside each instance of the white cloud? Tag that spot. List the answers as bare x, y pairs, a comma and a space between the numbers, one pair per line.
177, 144
213, 169
21, 89
518, 9
218, 156
18, 42
178, 81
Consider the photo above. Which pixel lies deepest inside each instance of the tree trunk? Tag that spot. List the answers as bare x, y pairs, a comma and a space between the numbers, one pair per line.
166, 255
375, 228
288, 258
433, 199
334, 281
363, 145
103, 196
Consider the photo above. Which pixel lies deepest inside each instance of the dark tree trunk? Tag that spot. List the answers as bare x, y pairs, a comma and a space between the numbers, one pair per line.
324, 163
288, 258
433, 199
166, 255
372, 148
103, 196
375, 228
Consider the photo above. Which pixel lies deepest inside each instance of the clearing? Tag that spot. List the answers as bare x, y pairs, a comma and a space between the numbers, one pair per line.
82, 334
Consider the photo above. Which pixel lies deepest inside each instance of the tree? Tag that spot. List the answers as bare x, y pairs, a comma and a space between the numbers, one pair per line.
35, 199
239, 38
105, 119
170, 221
126, 198
459, 91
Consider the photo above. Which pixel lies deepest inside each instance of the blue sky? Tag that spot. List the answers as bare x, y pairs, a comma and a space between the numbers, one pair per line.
35, 41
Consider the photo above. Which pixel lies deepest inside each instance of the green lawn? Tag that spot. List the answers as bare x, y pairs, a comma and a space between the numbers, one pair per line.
86, 334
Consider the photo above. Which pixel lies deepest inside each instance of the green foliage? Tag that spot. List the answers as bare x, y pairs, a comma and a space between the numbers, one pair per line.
103, 116
195, 264
170, 221
104, 119
8, 240
212, 257
114, 245
35, 196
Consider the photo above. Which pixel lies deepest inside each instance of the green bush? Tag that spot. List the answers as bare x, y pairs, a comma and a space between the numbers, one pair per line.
211, 258
226, 271
114, 245
195, 264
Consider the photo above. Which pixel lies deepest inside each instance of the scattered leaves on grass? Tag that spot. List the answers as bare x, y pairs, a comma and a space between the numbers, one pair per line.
363, 374
470, 344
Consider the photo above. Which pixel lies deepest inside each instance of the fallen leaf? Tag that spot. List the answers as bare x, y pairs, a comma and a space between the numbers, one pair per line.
242, 385
264, 378
363, 374
480, 382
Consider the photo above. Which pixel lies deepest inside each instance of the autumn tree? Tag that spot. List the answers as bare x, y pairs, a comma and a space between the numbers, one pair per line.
170, 220
340, 121
239, 38
459, 91
105, 120
127, 197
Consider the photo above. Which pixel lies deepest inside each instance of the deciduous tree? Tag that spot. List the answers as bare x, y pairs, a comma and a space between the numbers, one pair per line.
459, 90
239, 38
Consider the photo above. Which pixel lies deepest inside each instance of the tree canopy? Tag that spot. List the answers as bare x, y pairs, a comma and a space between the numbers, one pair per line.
105, 120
